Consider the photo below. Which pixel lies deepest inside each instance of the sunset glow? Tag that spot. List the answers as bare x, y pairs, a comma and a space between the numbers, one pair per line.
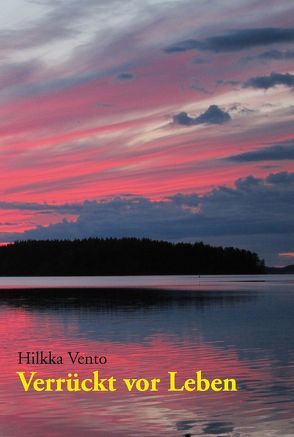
101, 102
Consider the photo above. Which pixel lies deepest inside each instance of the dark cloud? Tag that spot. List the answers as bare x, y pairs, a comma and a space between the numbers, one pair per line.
125, 76
281, 178
255, 209
266, 82
186, 200
213, 115
184, 119
218, 428
271, 55
236, 40
277, 152
184, 46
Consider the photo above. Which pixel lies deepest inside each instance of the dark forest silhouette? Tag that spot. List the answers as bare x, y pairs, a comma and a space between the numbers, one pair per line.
125, 256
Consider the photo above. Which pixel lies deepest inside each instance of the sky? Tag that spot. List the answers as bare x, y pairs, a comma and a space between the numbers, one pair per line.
167, 119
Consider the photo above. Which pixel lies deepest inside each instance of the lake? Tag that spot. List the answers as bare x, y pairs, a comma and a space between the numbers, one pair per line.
237, 327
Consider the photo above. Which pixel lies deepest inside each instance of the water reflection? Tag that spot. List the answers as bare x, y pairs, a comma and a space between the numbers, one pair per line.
243, 335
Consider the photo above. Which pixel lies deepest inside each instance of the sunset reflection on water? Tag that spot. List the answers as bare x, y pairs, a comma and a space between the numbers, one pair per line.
244, 336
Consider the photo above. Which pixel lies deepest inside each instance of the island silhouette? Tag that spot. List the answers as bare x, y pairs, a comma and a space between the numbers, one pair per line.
123, 256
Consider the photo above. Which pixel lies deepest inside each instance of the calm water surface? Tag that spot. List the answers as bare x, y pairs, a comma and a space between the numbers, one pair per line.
237, 327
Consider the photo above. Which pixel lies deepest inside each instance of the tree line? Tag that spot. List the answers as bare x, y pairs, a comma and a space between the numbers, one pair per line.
125, 256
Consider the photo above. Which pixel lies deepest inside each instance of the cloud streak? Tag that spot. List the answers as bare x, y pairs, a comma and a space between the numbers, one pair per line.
277, 152
125, 76
274, 79
235, 40
271, 55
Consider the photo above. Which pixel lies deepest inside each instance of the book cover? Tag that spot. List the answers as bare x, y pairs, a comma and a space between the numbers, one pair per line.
146, 218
